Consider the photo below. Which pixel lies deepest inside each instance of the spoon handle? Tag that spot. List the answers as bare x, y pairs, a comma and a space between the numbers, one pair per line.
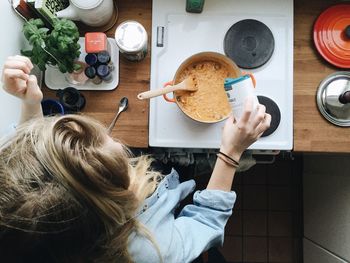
111, 126
154, 93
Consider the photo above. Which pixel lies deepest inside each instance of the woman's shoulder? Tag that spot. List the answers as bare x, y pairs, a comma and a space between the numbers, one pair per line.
167, 194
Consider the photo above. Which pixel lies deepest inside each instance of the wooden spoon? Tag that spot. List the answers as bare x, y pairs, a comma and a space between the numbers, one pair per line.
187, 84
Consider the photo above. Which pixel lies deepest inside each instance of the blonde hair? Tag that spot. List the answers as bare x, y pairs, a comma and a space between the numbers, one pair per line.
63, 194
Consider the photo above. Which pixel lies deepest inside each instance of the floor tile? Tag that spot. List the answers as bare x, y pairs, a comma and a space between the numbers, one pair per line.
238, 179
232, 249
255, 175
254, 197
254, 249
280, 224
234, 224
280, 173
281, 249
280, 198
254, 223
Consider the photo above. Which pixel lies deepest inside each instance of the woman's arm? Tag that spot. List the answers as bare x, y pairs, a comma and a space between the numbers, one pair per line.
18, 82
236, 138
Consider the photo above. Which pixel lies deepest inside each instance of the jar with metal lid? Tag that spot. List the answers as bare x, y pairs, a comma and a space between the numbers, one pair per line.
104, 73
91, 73
103, 57
131, 38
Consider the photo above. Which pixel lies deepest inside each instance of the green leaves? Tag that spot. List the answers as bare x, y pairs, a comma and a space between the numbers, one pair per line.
76, 67
60, 46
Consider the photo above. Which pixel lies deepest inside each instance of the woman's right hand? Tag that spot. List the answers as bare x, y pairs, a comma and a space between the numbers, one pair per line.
237, 136
18, 81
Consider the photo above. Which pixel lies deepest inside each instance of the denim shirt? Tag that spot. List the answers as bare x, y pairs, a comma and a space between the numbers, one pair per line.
198, 227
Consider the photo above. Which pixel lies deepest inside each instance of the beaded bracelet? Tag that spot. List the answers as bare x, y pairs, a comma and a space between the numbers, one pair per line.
227, 160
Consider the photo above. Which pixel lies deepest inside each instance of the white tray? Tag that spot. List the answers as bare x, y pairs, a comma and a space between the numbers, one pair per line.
54, 79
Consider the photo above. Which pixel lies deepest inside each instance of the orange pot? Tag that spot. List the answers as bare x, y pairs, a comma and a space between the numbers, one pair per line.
222, 60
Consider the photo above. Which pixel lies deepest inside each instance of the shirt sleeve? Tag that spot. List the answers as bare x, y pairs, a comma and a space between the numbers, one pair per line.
201, 225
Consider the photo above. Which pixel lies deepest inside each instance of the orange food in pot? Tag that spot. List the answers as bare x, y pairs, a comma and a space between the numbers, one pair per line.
209, 103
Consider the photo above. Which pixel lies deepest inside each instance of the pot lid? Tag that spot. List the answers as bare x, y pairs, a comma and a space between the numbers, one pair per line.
332, 35
333, 98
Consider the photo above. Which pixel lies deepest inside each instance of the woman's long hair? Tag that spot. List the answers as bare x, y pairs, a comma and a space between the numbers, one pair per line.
65, 196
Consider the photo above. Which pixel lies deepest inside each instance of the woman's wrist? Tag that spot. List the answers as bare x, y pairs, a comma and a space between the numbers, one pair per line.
30, 110
233, 153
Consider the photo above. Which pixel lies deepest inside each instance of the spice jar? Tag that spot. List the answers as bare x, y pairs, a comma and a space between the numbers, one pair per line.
104, 73
91, 59
91, 73
103, 57
131, 38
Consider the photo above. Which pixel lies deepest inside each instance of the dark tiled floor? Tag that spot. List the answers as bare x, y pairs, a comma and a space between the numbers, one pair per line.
266, 225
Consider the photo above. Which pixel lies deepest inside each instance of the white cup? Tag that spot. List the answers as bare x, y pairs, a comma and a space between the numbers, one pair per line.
238, 90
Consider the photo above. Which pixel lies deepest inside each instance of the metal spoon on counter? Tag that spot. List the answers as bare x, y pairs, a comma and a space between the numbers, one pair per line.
123, 105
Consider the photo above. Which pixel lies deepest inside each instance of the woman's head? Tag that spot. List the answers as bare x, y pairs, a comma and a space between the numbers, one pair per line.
67, 191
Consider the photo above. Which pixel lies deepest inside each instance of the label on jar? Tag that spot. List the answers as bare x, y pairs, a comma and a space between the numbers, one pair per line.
238, 90
138, 56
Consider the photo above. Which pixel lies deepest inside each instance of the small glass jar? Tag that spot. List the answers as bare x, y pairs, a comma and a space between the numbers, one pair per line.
91, 73
103, 57
131, 38
91, 59
77, 77
104, 73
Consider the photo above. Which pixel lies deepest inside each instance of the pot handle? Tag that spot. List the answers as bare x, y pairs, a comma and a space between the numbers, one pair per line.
251, 76
165, 95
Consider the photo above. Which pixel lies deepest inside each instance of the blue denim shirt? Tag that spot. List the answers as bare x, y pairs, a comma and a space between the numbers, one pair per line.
198, 227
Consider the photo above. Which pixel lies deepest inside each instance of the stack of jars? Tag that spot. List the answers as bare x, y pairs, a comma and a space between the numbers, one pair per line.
99, 65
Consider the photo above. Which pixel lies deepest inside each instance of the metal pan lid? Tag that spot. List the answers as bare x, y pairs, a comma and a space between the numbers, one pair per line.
333, 98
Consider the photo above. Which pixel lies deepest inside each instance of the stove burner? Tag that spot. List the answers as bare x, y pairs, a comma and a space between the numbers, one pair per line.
274, 111
249, 43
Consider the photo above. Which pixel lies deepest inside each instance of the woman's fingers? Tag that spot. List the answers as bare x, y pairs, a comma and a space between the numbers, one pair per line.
32, 82
264, 124
15, 73
259, 115
17, 64
33, 93
22, 59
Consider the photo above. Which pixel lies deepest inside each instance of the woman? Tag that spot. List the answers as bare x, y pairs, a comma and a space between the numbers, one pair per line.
70, 193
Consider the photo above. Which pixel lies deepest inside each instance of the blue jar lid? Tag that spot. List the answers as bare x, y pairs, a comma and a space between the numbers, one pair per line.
231, 81
91, 59
103, 71
90, 72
